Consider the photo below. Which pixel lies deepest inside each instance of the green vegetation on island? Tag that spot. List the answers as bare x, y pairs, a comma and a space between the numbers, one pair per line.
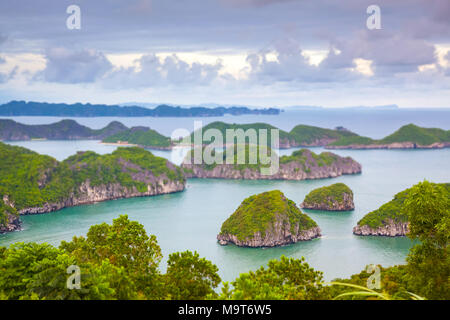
11, 130
31, 180
309, 135
120, 261
141, 136
222, 127
253, 223
336, 197
418, 136
393, 211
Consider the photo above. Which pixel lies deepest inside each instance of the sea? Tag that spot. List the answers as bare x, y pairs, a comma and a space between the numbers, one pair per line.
190, 220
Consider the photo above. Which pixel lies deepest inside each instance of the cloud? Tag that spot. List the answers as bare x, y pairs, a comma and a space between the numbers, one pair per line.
291, 65
68, 66
390, 53
153, 71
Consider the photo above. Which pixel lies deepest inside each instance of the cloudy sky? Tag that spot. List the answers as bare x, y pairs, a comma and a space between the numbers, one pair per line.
247, 52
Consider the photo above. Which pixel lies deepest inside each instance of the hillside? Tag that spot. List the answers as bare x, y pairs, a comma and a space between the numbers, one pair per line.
266, 220
141, 136
223, 127
301, 135
32, 183
11, 130
407, 137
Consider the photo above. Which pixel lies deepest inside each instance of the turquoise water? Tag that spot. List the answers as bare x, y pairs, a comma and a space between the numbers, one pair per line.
190, 220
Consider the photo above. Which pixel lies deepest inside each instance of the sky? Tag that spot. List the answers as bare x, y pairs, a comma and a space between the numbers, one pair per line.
263, 53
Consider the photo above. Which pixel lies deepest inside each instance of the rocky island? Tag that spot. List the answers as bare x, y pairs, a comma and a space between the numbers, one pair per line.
11, 130
141, 136
336, 197
388, 220
300, 165
31, 183
300, 135
407, 137
266, 220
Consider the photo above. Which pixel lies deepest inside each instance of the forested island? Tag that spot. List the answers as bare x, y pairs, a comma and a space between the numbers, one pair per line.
336, 197
141, 136
24, 108
115, 132
31, 183
266, 220
300, 135
391, 219
407, 137
300, 165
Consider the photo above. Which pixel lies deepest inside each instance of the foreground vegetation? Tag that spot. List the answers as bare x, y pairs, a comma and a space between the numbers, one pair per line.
120, 261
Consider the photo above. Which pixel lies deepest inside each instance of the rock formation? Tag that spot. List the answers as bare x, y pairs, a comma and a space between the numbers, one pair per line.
336, 197
268, 219
301, 165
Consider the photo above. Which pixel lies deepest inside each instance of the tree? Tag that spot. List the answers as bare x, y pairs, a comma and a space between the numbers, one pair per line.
285, 279
190, 277
38, 271
125, 244
428, 208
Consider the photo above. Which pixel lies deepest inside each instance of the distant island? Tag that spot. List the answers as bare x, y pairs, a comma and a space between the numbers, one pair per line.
336, 197
300, 165
299, 136
11, 130
407, 137
389, 220
31, 183
142, 137
23, 108
115, 133
268, 219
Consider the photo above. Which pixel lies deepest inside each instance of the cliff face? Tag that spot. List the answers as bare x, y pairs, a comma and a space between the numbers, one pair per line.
396, 145
88, 194
293, 170
83, 178
268, 219
278, 235
331, 204
320, 142
12, 224
390, 229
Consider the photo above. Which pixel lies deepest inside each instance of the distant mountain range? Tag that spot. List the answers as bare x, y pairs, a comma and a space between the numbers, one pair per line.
23, 108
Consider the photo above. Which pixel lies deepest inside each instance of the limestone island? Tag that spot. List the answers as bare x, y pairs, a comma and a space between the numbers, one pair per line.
388, 220
143, 137
32, 183
268, 219
336, 197
300, 165
407, 137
